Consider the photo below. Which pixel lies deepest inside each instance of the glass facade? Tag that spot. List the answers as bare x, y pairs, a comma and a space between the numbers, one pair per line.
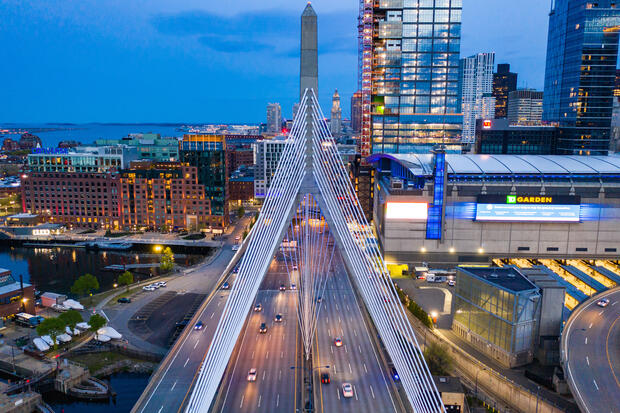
415, 75
500, 316
582, 53
208, 154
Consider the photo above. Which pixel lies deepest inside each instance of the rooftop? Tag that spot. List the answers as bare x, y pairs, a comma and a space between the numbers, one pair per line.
507, 278
447, 384
422, 164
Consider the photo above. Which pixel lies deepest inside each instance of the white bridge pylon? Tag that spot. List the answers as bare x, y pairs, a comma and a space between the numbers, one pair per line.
311, 165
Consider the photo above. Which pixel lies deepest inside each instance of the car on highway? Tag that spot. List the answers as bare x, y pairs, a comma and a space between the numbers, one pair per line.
278, 318
347, 390
603, 302
252, 374
325, 378
293, 286
148, 288
263, 328
319, 299
226, 286
395, 375
338, 342
258, 308
162, 283
124, 300
282, 287
199, 325
295, 268
237, 239
235, 247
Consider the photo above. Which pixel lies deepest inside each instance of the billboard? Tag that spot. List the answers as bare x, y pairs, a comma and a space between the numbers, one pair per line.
406, 210
528, 208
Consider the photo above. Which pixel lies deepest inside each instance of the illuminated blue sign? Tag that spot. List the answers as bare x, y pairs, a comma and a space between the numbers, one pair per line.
51, 151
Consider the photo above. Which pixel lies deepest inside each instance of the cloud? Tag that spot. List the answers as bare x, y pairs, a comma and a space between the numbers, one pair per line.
231, 44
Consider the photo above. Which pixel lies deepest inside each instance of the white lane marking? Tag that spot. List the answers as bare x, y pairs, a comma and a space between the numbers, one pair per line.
241, 404
348, 309
601, 312
615, 302
586, 340
337, 393
350, 369
332, 349
196, 345
281, 354
280, 375
160, 409
186, 361
212, 315
355, 332
372, 392
590, 325
360, 349
355, 392
282, 337
264, 371
595, 385
339, 320
252, 355
267, 355
587, 360
345, 349
260, 397
365, 369
335, 370
174, 385
278, 400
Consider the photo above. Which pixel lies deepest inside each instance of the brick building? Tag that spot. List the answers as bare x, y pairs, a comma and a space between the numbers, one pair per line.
163, 195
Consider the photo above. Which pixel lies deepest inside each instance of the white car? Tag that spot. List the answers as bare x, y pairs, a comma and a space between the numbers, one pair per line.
235, 247
148, 288
604, 302
451, 283
252, 374
347, 390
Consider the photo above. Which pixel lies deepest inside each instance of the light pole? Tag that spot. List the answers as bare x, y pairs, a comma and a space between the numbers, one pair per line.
485, 368
537, 397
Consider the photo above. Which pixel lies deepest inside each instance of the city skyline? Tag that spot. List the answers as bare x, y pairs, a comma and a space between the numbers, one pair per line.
165, 54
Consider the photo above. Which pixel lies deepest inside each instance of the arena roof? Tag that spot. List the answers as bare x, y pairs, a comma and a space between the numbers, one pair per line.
509, 164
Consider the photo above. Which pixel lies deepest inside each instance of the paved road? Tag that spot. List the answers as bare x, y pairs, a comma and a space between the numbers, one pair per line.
356, 362
170, 385
272, 354
592, 344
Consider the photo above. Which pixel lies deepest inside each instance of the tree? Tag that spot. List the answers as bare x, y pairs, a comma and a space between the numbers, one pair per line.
167, 260
71, 318
96, 322
245, 234
126, 278
240, 212
438, 359
85, 285
52, 327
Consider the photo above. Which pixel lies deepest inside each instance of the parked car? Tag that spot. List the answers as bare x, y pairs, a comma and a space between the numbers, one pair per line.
124, 300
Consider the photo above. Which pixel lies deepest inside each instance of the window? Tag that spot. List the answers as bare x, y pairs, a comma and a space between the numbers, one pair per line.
610, 249
524, 249
550, 249
581, 249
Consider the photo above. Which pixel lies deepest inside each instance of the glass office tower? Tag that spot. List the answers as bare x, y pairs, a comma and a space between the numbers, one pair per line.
582, 53
415, 98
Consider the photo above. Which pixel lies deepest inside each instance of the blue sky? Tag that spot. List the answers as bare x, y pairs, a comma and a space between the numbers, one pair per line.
208, 61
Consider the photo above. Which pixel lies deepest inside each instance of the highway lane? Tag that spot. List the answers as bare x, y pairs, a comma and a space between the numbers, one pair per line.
356, 361
592, 345
272, 354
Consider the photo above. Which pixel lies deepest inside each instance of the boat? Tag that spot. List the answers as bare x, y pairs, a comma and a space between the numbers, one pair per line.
75, 331
63, 338
72, 304
83, 326
107, 245
102, 338
110, 332
48, 340
40, 344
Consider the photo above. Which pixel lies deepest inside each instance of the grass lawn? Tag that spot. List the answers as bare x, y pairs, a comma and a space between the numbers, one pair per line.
193, 237
97, 361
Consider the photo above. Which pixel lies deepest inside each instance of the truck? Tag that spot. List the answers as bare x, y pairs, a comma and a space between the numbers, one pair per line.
439, 276
28, 320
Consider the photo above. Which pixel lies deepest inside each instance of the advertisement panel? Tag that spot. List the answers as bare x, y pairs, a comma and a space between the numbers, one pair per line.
406, 210
528, 208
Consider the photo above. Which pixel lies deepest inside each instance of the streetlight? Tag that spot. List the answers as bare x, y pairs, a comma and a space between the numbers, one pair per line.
477, 379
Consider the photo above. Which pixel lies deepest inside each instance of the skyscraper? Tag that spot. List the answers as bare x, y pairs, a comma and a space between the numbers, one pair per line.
274, 118
504, 82
309, 59
582, 53
356, 112
477, 83
409, 58
335, 123
525, 107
